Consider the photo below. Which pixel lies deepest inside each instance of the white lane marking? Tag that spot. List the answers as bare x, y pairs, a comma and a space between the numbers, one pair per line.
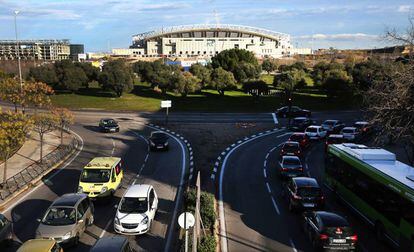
265, 163
293, 245
275, 205
275, 118
268, 188
221, 205
264, 172
103, 232
179, 193
52, 176
113, 146
267, 155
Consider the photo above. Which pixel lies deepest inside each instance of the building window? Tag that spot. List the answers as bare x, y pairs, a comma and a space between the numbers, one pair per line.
236, 46
181, 52
205, 52
192, 52
198, 52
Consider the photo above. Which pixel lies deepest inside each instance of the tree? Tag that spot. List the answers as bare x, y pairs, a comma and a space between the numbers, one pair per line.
45, 73
37, 94
10, 91
13, 130
90, 71
187, 83
337, 82
64, 118
202, 73
70, 77
256, 87
117, 76
406, 38
269, 65
222, 80
44, 123
242, 63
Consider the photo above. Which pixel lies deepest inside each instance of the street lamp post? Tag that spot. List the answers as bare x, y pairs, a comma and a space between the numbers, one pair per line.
18, 49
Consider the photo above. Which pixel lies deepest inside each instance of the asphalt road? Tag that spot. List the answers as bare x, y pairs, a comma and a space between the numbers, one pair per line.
164, 170
256, 215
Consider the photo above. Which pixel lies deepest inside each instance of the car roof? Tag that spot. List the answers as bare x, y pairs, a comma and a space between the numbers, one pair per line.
37, 245
290, 157
137, 191
291, 143
69, 199
315, 126
331, 120
107, 119
336, 136
349, 128
361, 122
298, 134
305, 182
300, 118
102, 162
105, 244
332, 219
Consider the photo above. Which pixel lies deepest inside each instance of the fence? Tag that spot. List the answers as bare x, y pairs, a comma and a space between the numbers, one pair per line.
23, 178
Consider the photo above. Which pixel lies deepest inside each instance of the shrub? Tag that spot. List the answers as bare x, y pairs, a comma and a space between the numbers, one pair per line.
207, 244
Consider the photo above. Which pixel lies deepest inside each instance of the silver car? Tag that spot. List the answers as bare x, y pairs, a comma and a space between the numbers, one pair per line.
66, 219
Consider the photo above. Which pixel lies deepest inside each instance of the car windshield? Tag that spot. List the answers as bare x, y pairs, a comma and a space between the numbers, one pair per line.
296, 137
158, 136
3, 221
291, 161
109, 122
312, 130
95, 175
309, 191
290, 147
330, 123
298, 121
59, 216
348, 131
133, 205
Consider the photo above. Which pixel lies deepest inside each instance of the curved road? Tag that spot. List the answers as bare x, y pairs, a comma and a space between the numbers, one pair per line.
253, 214
164, 170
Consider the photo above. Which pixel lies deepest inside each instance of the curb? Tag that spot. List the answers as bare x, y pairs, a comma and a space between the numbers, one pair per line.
34, 182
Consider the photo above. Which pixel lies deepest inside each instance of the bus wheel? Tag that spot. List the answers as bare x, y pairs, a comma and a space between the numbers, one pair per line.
379, 231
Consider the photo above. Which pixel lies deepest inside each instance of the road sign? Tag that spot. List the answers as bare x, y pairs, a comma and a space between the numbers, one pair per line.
186, 220
166, 104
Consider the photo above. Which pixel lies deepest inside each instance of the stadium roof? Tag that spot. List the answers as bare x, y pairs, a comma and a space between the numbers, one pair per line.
224, 27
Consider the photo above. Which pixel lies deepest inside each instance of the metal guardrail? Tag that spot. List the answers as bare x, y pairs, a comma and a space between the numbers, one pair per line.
34, 171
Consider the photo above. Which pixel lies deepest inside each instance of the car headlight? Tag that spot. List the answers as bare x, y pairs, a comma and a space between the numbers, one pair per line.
116, 221
145, 221
104, 189
152, 144
80, 189
66, 236
166, 144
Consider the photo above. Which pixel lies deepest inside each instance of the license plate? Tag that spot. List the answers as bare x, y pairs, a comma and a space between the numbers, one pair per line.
290, 153
308, 205
113, 130
339, 240
159, 147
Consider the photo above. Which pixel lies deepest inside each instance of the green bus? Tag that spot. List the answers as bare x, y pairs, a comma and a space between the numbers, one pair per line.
377, 187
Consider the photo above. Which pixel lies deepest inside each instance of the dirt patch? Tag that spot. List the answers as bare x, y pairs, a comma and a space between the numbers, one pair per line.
210, 139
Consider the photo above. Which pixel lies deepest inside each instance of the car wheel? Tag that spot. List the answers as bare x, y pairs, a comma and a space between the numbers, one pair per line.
76, 240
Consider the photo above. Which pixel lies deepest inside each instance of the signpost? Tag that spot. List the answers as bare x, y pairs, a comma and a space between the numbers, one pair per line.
166, 104
186, 220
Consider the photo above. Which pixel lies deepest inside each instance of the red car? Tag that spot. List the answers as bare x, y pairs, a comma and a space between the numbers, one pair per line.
301, 138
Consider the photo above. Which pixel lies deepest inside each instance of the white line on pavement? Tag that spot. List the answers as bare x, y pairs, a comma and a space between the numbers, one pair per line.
222, 219
275, 205
264, 172
113, 146
52, 176
268, 188
275, 118
293, 246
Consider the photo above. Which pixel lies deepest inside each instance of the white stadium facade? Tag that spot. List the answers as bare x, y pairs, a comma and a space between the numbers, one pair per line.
205, 41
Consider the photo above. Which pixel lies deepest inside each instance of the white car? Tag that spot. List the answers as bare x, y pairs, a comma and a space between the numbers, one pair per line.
350, 133
136, 210
315, 132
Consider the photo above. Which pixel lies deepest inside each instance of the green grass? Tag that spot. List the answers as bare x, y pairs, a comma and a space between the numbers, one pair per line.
143, 98
268, 78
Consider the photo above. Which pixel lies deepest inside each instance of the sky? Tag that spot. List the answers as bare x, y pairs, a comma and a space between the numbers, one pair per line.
107, 24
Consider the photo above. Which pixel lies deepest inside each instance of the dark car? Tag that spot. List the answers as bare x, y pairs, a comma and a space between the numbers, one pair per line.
300, 123
334, 139
290, 166
6, 230
112, 244
158, 141
329, 231
332, 126
363, 127
304, 193
294, 112
108, 125
291, 148
301, 138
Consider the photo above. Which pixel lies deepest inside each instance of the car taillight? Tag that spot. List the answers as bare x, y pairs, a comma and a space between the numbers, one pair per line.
300, 169
321, 198
284, 169
296, 197
323, 237
298, 152
354, 238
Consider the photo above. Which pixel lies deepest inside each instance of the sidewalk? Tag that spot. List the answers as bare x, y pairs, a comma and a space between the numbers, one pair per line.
29, 153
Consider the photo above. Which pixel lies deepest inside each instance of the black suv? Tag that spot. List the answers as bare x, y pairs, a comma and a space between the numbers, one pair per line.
300, 123
294, 112
304, 193
158, 141
329, 231
112, 244
108, 125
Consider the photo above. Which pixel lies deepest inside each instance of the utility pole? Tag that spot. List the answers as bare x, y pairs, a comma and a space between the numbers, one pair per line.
196, 230
18, 49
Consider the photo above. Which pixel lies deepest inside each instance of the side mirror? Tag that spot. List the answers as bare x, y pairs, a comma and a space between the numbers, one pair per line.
80, 221
113, 180
116, 206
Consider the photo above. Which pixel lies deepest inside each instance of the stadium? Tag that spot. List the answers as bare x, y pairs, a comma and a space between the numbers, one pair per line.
207, 41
